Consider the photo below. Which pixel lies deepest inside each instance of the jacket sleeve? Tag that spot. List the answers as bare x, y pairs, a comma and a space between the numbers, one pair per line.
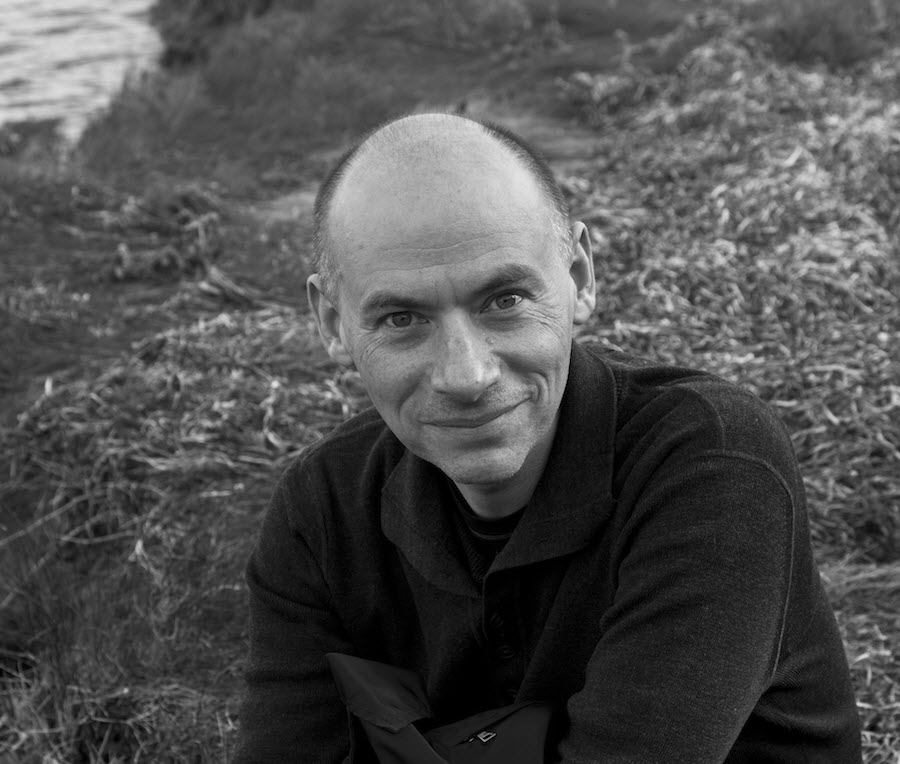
693, 635
291, 709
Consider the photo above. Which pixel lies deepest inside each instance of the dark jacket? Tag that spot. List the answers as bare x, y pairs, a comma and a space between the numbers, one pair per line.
659, 588
391, 721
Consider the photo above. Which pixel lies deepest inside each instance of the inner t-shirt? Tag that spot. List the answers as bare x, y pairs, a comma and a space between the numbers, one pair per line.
481, 538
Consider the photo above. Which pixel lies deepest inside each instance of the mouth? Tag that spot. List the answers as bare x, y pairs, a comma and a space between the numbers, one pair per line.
471, 422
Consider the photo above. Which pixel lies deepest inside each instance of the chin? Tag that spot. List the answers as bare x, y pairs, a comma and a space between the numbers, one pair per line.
481, 469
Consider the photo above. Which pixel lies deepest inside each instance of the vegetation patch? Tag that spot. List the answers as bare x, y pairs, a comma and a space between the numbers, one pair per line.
260, 101
191, 31
155, 469
831, 32
745, 219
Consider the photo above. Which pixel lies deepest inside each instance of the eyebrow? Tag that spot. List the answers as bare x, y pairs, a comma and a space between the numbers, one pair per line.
503, 277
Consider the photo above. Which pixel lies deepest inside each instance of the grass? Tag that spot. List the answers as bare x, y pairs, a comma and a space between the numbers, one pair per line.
744, 212
266, 91
163, 642
832, 32
864, 598
191, 31
260, 99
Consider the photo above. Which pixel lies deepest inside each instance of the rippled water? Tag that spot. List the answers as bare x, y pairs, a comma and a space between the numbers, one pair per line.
65, 58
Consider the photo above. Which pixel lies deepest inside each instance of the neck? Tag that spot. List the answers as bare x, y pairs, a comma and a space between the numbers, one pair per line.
493, 502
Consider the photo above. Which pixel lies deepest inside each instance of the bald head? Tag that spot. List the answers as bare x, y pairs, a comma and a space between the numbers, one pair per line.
439, 171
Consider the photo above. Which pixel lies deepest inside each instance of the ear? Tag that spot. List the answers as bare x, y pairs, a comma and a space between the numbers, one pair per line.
328, 320
582, 273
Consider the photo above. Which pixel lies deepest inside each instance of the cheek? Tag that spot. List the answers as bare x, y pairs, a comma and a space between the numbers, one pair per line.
390, 377
543, 353
546, 339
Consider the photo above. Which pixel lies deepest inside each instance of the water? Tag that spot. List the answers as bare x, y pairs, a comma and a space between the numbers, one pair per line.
65, 58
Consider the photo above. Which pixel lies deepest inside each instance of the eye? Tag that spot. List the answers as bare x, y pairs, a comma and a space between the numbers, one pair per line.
505, 301
400, 320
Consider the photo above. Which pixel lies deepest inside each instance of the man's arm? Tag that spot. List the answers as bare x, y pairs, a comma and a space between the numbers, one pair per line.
693, 637
291, 707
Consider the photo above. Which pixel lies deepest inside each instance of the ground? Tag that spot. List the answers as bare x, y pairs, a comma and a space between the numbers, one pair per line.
158, 367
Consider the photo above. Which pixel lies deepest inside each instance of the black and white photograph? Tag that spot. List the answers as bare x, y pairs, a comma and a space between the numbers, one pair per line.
465, 381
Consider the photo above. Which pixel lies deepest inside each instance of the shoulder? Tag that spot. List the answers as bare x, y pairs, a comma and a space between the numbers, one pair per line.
343, 471
360, 435
679, 410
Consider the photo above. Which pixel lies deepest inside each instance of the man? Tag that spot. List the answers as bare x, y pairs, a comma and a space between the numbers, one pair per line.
525, 518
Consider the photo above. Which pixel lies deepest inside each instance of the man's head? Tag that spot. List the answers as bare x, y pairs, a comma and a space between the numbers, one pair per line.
452, 282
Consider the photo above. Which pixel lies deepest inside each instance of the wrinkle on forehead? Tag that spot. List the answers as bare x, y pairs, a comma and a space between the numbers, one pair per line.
427, 246
425, 252
411, 261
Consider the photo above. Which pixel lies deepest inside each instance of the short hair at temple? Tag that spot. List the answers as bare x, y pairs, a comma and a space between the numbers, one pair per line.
532, 160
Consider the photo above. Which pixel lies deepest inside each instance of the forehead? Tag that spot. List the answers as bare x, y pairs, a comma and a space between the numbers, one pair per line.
410, 263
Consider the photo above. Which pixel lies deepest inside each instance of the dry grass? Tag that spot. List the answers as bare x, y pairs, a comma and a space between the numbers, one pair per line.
153, 471
745, 216
836, 33
191, 31
865, 600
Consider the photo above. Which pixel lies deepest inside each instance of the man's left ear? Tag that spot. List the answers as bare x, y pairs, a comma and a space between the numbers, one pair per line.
582, 273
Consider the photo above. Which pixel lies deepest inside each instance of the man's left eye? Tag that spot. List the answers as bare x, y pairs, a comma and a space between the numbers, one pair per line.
505, 301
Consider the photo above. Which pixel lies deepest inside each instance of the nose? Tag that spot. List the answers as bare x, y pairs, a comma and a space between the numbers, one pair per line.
464, 365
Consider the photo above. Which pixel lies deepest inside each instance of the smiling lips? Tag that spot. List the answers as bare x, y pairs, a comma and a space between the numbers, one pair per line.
471, 422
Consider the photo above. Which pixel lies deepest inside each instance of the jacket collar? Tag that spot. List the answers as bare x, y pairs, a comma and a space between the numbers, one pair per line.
570, 504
